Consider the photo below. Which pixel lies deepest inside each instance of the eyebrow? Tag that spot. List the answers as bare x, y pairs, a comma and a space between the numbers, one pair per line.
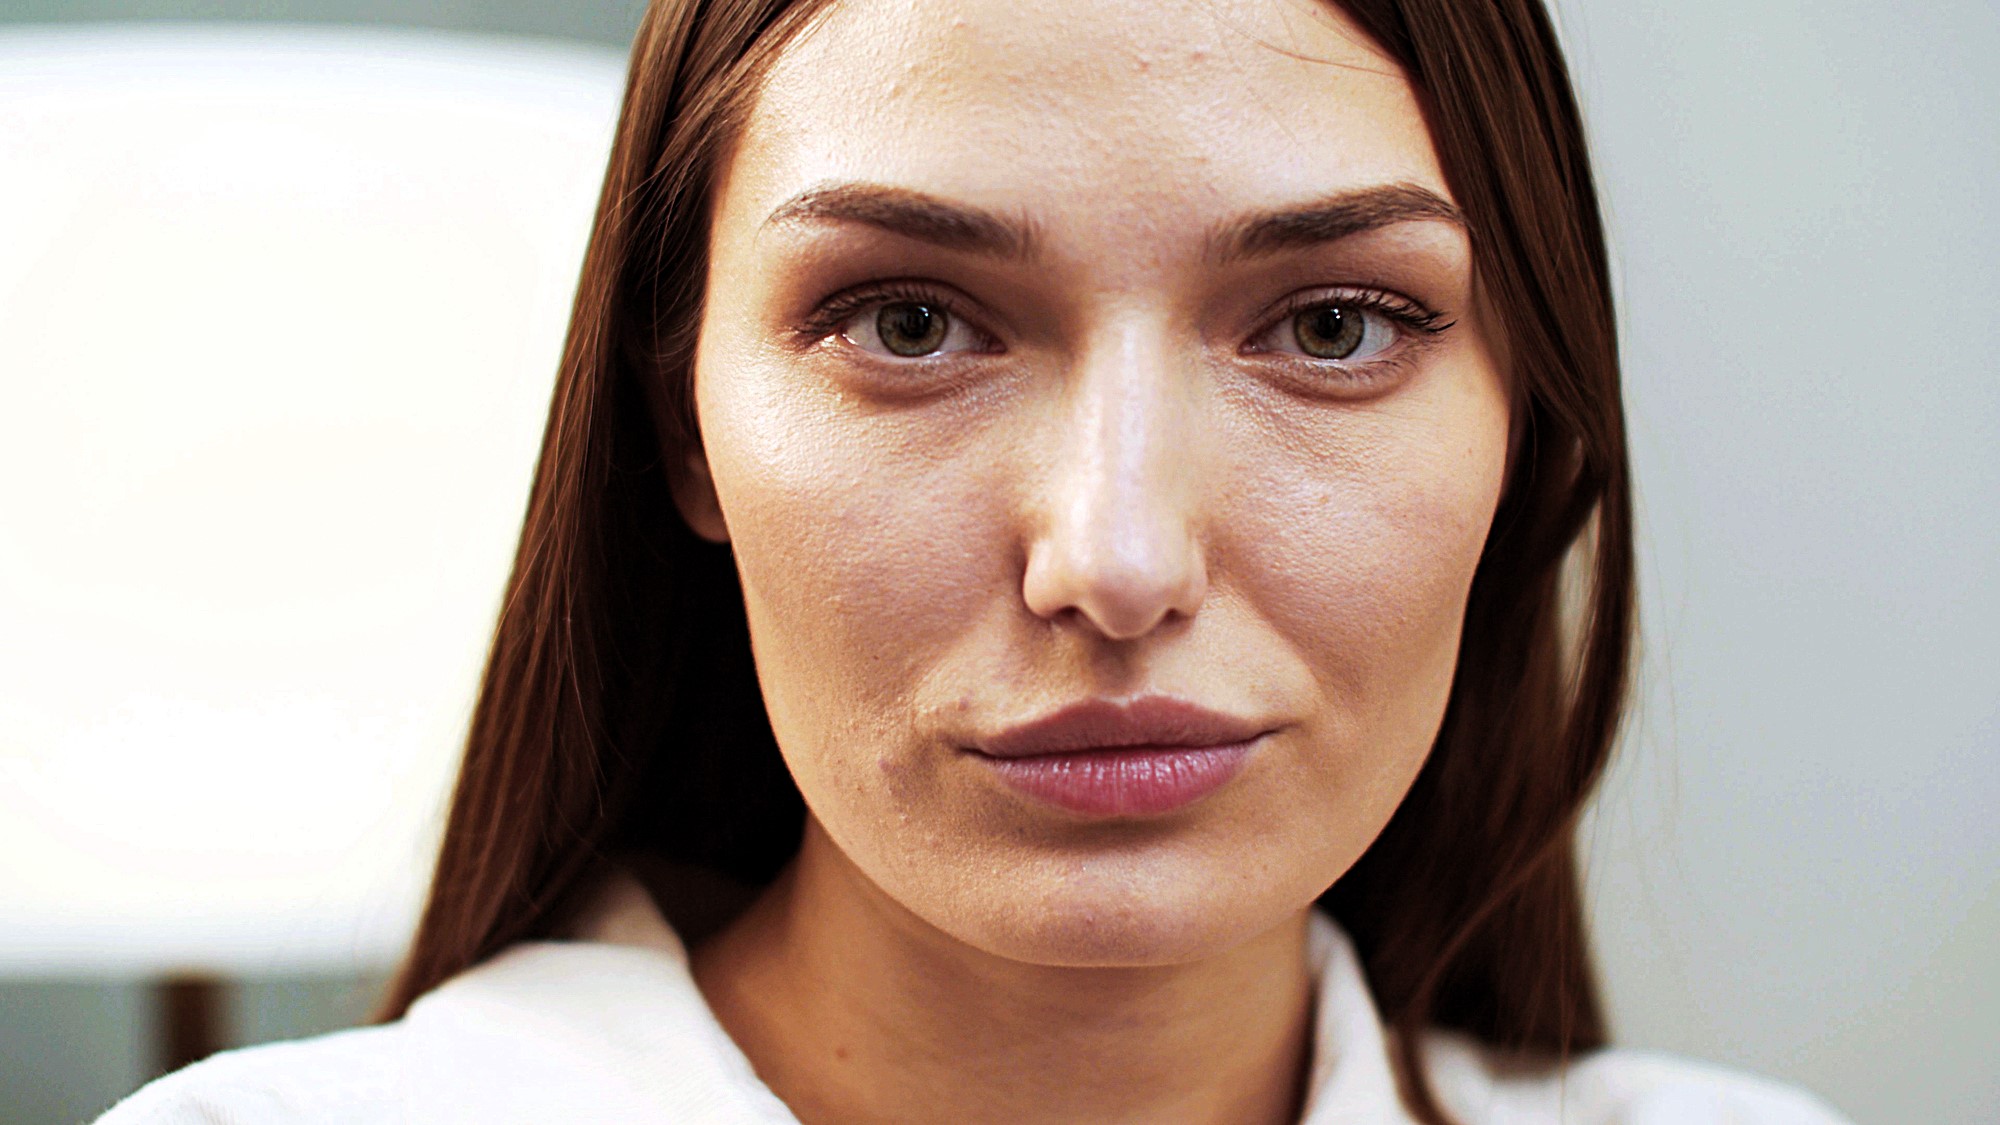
1342, 215
912, 214
955, 226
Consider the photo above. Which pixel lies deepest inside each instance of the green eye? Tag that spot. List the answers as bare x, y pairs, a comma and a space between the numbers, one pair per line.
1329, 331
907, 328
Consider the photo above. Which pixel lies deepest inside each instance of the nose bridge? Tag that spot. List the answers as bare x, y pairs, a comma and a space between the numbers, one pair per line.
1122, 426
1119, 544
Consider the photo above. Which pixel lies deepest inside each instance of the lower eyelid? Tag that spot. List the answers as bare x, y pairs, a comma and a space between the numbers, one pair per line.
981, 343
1367, 380
1403, 338
826, 323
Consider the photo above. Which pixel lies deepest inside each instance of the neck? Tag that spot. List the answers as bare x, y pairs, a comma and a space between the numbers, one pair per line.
853, 1009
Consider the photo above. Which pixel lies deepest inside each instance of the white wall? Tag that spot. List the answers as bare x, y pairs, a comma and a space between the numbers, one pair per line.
1797, 866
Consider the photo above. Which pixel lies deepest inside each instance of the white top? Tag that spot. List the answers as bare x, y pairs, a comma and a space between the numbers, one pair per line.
609, 1028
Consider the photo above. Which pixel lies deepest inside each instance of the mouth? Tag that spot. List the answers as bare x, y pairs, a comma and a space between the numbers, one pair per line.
1143, 757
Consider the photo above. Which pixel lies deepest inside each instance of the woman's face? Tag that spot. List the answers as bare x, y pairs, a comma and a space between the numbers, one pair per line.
1071, 355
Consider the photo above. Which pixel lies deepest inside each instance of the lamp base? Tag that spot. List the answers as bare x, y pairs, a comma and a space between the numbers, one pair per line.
189, 1019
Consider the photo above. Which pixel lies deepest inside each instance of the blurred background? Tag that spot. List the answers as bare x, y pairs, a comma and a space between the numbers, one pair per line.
282, 287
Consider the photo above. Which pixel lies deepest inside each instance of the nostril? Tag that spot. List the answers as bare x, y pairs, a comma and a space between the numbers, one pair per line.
1114, 518
1122, 594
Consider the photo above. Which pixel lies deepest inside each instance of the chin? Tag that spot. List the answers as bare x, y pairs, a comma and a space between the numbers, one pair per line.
1110, 914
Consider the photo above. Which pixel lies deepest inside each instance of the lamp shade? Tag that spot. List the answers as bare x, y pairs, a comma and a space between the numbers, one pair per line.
280, 312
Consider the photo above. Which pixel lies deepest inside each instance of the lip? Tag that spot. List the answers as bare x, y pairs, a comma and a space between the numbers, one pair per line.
1142, 757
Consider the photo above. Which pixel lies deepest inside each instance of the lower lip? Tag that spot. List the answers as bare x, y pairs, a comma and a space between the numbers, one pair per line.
1130, 781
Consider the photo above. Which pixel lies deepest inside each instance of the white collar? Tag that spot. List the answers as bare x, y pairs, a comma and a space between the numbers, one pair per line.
617, 998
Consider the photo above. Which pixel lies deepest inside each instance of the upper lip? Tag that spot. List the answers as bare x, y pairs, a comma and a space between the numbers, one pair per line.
1147, 722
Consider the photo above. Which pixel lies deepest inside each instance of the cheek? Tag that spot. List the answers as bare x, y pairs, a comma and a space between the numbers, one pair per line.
1358, 548
866, 546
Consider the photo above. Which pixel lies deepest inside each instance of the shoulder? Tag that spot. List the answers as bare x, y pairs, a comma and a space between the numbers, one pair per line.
1614, 1086
586, 1033
509, 1032
349, 1076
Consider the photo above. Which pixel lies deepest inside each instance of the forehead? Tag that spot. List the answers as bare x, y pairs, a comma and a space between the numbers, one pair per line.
1083, 115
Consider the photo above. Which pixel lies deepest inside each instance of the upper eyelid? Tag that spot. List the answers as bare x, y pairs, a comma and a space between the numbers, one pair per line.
1372, 298
1409, 333
840, 308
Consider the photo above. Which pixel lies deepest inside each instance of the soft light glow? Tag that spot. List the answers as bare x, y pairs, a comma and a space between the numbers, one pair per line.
279, 317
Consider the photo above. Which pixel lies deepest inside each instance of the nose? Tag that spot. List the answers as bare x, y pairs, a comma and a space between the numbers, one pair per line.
1117, 542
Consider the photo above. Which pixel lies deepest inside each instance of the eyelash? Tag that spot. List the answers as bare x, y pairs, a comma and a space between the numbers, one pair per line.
841, 308
1421, 324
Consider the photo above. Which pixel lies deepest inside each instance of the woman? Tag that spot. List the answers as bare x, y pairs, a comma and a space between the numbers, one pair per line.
1167, 462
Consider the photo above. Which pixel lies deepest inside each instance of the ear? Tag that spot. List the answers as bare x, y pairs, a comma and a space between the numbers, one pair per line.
694, 495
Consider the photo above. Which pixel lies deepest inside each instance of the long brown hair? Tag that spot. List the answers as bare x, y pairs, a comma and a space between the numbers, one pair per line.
620, 712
